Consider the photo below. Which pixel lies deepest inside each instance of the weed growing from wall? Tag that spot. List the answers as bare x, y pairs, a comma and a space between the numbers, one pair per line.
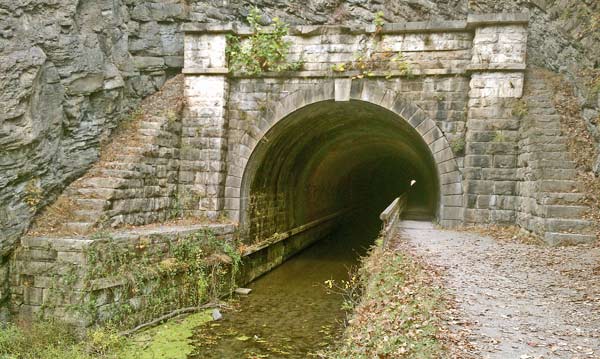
265, 50
33, 194
499, 137
457, 145
520, 109
378, 20
375, 56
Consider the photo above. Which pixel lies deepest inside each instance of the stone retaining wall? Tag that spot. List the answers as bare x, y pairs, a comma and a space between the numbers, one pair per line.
80, 281
134, 276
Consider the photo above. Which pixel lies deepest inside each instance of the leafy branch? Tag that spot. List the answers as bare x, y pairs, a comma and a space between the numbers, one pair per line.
265, 50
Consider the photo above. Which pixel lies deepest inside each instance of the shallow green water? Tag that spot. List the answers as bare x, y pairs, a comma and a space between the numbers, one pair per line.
290, 313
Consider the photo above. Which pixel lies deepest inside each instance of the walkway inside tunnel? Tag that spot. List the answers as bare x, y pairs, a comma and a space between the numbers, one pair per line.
331, 156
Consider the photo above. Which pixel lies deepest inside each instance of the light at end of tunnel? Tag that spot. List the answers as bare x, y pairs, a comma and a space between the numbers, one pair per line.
412, 182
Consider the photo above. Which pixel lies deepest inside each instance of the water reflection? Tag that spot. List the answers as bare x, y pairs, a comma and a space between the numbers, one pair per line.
289, 313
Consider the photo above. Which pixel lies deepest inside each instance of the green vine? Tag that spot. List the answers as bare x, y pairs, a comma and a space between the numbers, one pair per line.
265, 50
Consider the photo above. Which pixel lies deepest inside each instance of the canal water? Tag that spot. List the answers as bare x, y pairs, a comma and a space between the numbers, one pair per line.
290, 313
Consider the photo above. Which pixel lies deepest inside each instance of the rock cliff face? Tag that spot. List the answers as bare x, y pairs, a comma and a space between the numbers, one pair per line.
70, 69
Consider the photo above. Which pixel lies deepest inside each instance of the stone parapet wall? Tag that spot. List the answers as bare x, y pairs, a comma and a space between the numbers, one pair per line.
391, 217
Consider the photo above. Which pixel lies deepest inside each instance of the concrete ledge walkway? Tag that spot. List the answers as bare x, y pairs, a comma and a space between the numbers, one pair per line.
521, 300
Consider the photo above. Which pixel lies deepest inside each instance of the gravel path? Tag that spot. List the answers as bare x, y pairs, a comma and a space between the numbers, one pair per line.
516, 300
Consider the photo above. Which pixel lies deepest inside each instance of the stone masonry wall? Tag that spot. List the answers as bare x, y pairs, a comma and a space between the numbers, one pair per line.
136, 181
443, 97
492, 129
487, 51
79, 279
437, 56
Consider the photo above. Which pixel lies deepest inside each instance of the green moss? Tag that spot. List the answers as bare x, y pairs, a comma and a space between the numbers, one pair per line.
171, 340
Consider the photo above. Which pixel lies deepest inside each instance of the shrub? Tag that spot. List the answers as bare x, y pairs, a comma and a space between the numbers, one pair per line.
33, 194
265, 50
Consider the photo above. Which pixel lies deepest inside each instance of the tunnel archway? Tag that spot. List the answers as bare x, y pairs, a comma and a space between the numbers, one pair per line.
316, 157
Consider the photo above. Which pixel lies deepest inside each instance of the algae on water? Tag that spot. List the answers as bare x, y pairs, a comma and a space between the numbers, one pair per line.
170, 340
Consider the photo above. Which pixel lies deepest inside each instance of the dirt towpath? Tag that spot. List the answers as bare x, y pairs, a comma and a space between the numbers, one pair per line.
520, 300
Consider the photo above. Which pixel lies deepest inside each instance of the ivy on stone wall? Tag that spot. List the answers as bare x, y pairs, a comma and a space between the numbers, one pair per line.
265, 50
127, 284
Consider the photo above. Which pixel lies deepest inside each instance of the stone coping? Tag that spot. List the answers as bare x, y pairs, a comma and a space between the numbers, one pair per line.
324, 73
70, 243
477, 20
205, 71
512, 67
472, 21
292, 232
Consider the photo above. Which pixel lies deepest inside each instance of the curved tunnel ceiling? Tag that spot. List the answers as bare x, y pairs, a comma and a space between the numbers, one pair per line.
334, 155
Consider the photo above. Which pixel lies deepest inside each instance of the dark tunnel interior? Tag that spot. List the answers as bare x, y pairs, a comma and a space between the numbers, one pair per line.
331, 156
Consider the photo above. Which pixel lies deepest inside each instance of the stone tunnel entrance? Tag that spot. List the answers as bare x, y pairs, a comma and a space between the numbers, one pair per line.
330, 158
291, 155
